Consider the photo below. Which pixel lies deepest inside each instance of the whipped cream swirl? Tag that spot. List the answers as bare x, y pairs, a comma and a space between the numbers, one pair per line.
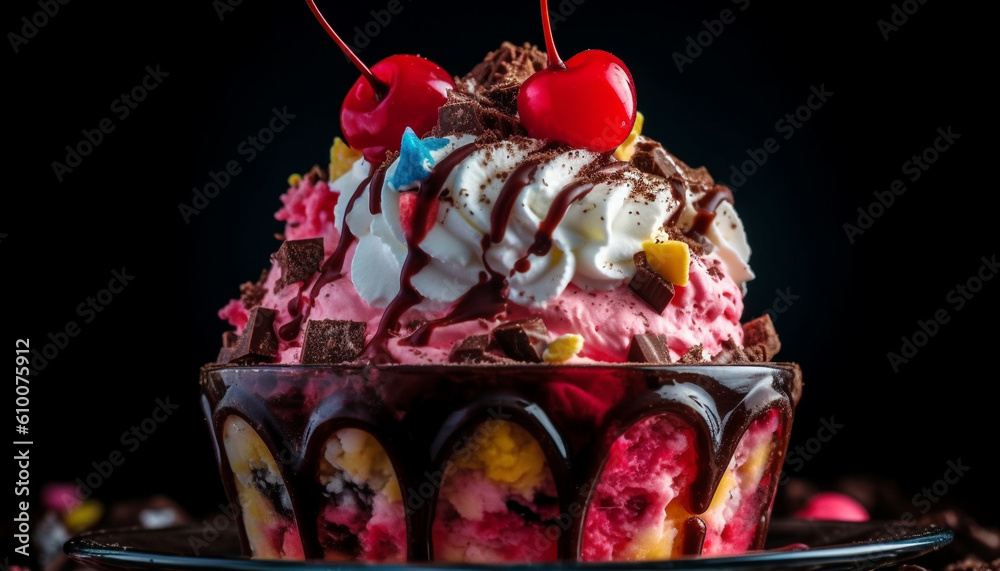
591, 246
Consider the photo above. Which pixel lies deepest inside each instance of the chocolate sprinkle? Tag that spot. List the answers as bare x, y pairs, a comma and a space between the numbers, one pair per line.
648, 348
298, 259
330, 341
523, 340
257, 343
760, 332
649, 285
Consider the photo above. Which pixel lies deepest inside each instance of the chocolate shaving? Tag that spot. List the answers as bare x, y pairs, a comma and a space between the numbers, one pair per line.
316, 174
694, 356
330, 341
523, 340
731, 353
475, 349
760, 332
648, 348
650, 157
258, 342
649, 285
298, 259
499, 77
251, 294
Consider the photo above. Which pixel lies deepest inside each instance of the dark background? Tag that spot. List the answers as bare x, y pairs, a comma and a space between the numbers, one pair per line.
851, 303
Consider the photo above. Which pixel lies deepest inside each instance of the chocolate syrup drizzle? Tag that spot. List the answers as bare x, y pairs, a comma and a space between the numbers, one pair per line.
333, 268
419, 413
488, 297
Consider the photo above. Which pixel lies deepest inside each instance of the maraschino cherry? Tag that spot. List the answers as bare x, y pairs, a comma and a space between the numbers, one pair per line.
587, 101
398, 92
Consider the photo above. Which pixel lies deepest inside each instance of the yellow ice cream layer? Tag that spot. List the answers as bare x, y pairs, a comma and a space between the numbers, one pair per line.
363, 457
670, 258
625, 151
342, 158
504, 452
651, 543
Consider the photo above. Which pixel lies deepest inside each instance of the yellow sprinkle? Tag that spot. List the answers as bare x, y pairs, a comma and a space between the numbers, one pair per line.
83, 516
342, 157
294, 179
563, 348
625, 151
671, 259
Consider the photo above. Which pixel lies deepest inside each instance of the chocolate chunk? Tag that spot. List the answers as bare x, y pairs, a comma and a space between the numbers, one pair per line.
694, 356
330, 341
649, 285
298, 259
475, 349
228, 342
761, 332
648, 348
523, 340
251, 294
650, 157
258, 342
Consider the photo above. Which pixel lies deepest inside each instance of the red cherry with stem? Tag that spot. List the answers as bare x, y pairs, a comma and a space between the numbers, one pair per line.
398, 92
587, 101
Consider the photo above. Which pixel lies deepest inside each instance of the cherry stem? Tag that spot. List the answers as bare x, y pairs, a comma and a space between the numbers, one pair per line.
550, 45
380, 87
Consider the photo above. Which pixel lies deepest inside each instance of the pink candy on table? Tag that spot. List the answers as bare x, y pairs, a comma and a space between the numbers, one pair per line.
833, 506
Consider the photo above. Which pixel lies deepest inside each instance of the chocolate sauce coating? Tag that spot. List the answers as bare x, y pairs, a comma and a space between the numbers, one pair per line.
418, 412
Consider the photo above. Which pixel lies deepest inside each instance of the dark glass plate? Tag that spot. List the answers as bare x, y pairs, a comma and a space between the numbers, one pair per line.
792, 544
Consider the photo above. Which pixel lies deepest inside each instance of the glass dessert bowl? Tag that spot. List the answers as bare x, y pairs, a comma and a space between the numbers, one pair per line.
500, 463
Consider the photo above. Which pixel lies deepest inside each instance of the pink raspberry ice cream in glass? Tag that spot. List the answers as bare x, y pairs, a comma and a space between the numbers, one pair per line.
493, 334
